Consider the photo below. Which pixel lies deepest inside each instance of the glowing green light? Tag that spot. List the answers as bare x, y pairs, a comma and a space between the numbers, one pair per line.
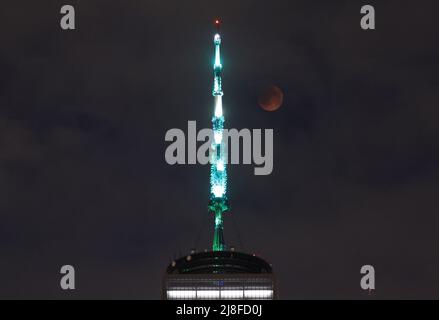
218, 174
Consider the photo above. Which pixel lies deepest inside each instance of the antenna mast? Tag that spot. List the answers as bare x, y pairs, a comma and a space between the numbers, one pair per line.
218, 203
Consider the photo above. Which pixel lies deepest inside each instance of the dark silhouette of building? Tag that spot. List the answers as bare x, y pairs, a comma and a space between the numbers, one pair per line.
219, 275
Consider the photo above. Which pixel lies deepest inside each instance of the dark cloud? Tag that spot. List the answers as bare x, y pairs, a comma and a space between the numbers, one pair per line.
83, 115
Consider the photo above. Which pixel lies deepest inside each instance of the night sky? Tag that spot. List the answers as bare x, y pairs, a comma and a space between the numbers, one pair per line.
83, 116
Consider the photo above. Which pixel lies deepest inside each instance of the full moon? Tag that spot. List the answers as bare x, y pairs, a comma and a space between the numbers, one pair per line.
271, 98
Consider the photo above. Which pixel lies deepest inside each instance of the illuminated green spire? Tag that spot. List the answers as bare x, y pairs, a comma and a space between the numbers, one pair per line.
218, 175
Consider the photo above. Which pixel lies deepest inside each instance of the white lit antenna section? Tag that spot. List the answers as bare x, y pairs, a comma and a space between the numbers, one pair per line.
217, 41
218, 106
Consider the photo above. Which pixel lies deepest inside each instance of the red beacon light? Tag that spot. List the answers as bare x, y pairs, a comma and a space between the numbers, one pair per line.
217, 23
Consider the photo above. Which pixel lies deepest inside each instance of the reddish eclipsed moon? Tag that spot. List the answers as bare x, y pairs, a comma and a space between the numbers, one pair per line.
271, 98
